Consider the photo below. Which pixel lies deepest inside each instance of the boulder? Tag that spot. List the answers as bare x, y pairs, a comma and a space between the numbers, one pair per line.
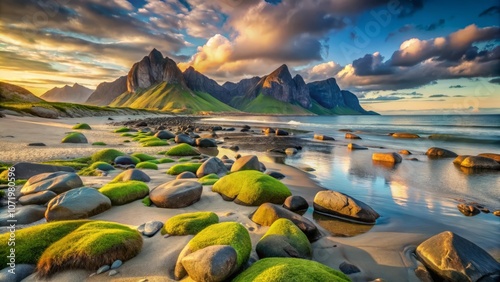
468, 210
57, 182
249, 162
184, 139
459, 159
206, 142
268, 130
337, 204
351, 136
281, 132
275, 174
178, 193
405, 135
436, 152
150, 228
295, 203
126, 161
27, 170
121, 193
267, 213
132, 174
284, 239
186, 175
352, 146
454, 258
323, 137
478, 162
74, 137
212, 165
387, 157
21, 271
189, 223
164, 134
23, 215
405, 152
183, 150
39, 198
211, 264
496, 157
78, 203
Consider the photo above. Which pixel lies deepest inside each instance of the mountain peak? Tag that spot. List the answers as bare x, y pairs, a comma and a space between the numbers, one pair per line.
155, 55
190, 69
282, 71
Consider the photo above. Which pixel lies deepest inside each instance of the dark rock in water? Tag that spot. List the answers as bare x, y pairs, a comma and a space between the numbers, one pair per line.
57, 182
348, 268
206, 142
37, 144
436, 152
275, 174
212, 165
478, 162
184, 138
295, 203
454, 258
281, 132
468, 210
352, 146
341, 205
496, 157
249, 162
27, 170
186, 175
164, 134
178, 193
23, 215
133, 174
351, 136
150, 228
21, 271
323, 137
39, 198
124, 160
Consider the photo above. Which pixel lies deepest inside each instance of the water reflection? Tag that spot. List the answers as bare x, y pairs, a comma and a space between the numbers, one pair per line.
340, 228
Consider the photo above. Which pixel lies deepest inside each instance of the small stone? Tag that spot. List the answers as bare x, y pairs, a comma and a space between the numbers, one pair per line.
116, 264
468, 210
102, 269
37, 144
497, 212
113, 272
348, 268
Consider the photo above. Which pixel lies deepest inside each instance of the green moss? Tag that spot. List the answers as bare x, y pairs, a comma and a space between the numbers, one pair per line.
180, 168
250, 187
183, 160
166, 160
77, 163
153, 161
122, 129
209, 179
183, 150
74, 137
99, 144
290, 233
154, 143
290, 270
143, 157
226, 233
102, 166
124, 192
146, 165
126, 134
126, 141
147, 201
106, 155
89, 172
82, 126
189, 223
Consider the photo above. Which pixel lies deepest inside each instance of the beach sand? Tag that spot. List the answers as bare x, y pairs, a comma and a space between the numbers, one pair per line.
380, 254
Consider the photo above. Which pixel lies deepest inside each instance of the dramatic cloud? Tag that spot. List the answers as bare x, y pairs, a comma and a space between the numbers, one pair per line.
425, 27
321, 72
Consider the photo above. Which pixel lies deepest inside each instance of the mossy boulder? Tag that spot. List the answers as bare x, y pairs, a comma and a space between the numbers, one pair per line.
209, 179
74, 137
252, 188
166, 160
147, 165
104, 166
99, 144
189, 223
290, 269
121, 193
146, 201
284, 239
143, 157
82, 126
132, 174
180, 168
154, 143
183, 150
226, 233
122, 129
106, 155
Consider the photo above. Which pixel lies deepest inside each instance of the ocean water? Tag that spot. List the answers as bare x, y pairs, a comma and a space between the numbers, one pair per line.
414, 196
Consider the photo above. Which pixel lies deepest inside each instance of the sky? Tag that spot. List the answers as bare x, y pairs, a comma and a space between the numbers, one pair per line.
397, 56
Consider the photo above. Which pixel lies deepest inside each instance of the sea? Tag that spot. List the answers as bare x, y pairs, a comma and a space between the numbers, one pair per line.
419, 195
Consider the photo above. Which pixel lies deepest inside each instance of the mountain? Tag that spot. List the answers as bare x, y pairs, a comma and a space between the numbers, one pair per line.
106, 92
198, 82
13, 93
69, 94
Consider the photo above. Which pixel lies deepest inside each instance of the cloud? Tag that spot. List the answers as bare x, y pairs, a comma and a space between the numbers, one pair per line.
491, 11
321, 71
457, 86
438, 96
433, 26
413, 94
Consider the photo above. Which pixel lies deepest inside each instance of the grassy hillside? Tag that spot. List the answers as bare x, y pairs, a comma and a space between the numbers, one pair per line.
268, 105
13, 93
320, 110
173, 98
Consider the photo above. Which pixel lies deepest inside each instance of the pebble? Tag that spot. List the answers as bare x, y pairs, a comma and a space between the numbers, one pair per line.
116, 264
102, 269
113, 272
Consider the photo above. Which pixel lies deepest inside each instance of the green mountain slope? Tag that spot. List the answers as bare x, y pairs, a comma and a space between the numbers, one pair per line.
172, 98
263, 104
320, 110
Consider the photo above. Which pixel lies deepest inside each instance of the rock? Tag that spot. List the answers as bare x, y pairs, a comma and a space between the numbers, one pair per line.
262, 167
57, 182
436, 152
468, 210
454, 258
281, 132
387, 157
26, 170
275, 174
164, 134
212, 165
246, 127
150, 228
459, 159
211, 264
295, 203
216, 128
267, 213
125, 161
176, 194
268, 130
113, 272
186, 175
102, 269
23, 215
284, 239
337, 204
405, 152
184, 138
74, 137
478, 162
323, 137
79, 203
351, 136
37, 144
39, 198
234, 148
22, 271
291, 151
229, 129
132, 174
183, 150
497, 212
404, 135
348, 268
249, 162
116, 264
206, 142
352, 146
496, 157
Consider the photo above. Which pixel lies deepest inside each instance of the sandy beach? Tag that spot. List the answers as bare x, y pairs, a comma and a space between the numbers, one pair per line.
384, 251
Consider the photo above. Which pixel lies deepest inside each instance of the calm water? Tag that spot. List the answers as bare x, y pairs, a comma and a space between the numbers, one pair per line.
416, 196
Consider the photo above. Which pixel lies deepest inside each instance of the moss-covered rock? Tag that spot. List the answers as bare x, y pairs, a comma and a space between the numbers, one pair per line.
99, 144
147, 165
122, 129
252, 188
209, 179
154, 143
82, 126
104, 166
106, 155
126, 134
183, 160
189, 223
284, 239
125, 192
183, 150
143, 157
146, 201
225, 233
179, 168
290, 269
166, 160
74, 137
